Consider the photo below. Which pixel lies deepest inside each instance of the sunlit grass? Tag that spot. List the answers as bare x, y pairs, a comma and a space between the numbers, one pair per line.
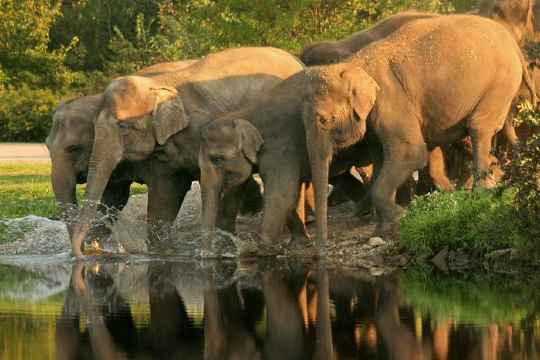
25, 188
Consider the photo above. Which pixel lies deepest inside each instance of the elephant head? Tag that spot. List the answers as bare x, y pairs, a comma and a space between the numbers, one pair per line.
70, 143
337, 102
228, 153
137, 114
517, 15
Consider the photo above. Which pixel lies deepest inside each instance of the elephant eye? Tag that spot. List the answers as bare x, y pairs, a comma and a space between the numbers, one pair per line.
216, 159
74, 148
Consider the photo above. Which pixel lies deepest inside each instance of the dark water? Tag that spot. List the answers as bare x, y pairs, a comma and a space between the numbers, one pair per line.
142, 309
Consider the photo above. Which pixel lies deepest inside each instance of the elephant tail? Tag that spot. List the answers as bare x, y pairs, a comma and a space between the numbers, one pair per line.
528, 80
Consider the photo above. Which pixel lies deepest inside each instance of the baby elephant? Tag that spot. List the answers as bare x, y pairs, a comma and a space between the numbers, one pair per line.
267, 136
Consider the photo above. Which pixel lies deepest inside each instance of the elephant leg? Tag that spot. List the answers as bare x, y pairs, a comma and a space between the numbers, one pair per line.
228, 208
401, 159
115, 197
309, 203
296, 220
280, 202
489, 117
437, 170
165, 197
481, 158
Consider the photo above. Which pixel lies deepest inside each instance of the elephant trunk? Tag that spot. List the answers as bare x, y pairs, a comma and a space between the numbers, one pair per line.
320, 154
101, 167
211, 186
64, 183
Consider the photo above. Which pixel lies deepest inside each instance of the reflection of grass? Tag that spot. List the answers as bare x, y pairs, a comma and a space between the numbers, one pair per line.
479, 299
25, 188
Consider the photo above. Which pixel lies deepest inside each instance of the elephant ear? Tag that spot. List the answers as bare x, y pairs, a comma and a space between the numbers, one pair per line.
251, 140
168, 114
363, 91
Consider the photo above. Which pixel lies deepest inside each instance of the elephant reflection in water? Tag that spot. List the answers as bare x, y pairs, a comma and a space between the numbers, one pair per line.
110, 326
172, 333
288, 312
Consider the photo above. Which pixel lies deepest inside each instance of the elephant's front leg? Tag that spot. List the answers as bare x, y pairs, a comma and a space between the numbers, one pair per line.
280, 201
296, 219
165, 197
115, 197
228, 209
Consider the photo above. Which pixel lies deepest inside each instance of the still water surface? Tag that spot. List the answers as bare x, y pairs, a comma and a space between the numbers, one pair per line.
137, 308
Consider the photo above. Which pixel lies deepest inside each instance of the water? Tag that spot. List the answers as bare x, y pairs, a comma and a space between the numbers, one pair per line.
142, 308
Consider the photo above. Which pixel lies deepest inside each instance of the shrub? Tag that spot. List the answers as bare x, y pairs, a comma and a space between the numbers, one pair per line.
26, 114
524, 176
482, 220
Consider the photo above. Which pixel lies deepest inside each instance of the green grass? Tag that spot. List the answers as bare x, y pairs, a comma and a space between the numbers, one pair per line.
25, 188
482, 220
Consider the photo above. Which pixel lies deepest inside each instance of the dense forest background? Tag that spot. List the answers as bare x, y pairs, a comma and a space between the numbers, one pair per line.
52, 50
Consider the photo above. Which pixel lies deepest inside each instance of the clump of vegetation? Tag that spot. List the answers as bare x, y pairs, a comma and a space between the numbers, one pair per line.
481, 220
524, 176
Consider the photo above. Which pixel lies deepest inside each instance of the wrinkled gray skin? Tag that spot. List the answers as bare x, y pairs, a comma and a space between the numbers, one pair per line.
70, 143
410, 93
267, 136
158, 119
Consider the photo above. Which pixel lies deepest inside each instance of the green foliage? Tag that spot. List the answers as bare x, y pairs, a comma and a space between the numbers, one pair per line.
482, 220
525, 177
26, 113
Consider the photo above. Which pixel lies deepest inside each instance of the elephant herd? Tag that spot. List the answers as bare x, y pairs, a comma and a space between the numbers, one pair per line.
394, 97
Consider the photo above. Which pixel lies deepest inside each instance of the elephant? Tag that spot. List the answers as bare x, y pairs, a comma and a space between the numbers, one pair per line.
407, 94
330, 52
516, 15
158, 119
69, 143
265, 136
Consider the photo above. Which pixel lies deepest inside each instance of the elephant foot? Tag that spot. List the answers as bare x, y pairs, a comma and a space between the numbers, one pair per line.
388, 230
301, 246
95, 249
363, 209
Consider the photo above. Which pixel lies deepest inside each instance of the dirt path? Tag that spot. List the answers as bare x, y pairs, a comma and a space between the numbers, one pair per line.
24, 152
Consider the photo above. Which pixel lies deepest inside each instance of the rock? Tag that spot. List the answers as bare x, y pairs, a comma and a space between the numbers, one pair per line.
376, 241
441, 260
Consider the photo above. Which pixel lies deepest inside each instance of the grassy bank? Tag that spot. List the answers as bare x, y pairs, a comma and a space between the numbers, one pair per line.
25, 188
476, 222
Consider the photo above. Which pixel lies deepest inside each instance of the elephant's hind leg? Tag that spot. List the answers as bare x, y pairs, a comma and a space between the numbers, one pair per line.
488, 118
401, 159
